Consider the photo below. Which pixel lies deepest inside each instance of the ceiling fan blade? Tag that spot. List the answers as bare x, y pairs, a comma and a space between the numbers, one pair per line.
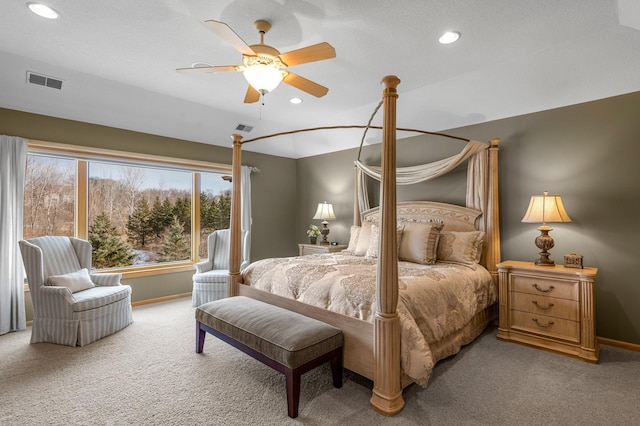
305, 85
227, 34
252, 95
218, 68
316, 52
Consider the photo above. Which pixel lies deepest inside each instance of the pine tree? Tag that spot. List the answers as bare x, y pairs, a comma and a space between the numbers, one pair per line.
221, 211
139, 225
206, 220
182, 211
108, 249
176, 246
161, 216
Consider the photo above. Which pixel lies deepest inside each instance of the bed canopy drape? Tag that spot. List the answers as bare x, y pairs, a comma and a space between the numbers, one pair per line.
475, 152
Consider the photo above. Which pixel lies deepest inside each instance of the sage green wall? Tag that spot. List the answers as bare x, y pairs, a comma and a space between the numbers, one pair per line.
273, 188
589, 153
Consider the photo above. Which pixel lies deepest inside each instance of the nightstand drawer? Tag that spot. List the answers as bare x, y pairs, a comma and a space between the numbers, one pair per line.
310, 249
546, 325
544, 305
305, 249
545, 286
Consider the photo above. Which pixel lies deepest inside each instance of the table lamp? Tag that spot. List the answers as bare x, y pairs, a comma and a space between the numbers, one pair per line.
542, 209
324, 212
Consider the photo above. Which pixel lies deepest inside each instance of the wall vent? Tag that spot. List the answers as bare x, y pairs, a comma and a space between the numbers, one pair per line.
244, 128
43, 80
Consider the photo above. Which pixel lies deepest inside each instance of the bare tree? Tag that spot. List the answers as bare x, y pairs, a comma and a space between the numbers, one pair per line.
131, 179
49, 196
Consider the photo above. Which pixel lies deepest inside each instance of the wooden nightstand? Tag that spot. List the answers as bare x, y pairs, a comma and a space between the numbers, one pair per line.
305, 249
549, 307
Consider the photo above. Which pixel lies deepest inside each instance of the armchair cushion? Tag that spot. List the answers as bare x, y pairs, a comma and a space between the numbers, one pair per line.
74, 281
99, 296
214, 276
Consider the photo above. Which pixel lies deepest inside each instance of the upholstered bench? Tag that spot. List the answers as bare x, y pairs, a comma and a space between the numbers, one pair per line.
283, 340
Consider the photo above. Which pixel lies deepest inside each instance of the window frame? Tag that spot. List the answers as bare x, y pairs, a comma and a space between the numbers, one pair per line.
83, 155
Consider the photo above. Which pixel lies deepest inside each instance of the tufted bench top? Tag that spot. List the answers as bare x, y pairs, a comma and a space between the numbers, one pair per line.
287, 337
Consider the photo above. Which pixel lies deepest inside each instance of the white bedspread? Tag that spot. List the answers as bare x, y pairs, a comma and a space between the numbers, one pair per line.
434, 300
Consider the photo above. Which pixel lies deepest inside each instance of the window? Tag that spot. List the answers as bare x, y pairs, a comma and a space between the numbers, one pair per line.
215, 207
49, 196
138, 212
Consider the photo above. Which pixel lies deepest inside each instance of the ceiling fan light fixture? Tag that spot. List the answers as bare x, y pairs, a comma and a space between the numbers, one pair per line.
43, 10
264, 78
449, 37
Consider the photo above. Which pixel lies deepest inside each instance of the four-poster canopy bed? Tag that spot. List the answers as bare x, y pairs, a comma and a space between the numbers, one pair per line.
384, 335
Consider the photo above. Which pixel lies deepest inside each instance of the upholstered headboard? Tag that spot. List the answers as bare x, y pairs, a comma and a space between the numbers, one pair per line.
455, 218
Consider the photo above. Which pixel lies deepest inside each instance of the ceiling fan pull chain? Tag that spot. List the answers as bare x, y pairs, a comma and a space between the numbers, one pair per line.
261, 105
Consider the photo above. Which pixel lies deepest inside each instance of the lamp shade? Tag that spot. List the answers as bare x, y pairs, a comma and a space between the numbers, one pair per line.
263, 78
546, 208
325, 211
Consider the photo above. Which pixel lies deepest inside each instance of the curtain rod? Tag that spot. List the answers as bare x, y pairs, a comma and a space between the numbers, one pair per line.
254, 169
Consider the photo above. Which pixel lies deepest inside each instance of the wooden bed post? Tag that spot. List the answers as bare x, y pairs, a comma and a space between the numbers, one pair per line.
387, 388
493, 216
235, 248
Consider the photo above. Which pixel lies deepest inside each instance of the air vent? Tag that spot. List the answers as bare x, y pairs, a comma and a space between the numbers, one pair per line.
43, 80
244, 128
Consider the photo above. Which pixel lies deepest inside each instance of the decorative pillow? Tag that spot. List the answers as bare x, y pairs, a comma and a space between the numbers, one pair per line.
374, 240
363, 239
464, 248
75, 281
419, 242
353, 239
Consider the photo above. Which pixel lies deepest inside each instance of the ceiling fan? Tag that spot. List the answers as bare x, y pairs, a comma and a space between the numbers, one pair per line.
264, 66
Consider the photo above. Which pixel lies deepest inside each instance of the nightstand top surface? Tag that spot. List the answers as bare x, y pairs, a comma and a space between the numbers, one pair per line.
560, 269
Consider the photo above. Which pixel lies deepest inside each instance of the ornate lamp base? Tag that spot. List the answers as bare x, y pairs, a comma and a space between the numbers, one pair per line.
544, 242
324, 231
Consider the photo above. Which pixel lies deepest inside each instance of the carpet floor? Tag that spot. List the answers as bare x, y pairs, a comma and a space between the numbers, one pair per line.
149, 374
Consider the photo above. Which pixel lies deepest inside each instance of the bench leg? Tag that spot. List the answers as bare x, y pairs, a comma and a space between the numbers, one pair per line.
200, 335
336, 369
292, 379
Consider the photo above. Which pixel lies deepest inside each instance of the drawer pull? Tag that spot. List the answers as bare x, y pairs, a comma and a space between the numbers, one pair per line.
535, 302
544, 290
542, 325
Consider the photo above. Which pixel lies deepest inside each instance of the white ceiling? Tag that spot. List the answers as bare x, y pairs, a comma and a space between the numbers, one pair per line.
117, 59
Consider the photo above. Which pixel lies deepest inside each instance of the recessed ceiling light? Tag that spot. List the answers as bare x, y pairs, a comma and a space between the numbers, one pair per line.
43, 10
295, 101
449, 37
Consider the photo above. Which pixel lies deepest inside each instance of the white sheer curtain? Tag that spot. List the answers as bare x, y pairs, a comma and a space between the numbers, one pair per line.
477, 177
245, 205
13, 161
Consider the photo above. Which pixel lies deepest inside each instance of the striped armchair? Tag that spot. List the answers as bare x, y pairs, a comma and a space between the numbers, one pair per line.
210, 282
72, 306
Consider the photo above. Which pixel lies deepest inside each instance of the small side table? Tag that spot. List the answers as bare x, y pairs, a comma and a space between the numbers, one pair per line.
305, 249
